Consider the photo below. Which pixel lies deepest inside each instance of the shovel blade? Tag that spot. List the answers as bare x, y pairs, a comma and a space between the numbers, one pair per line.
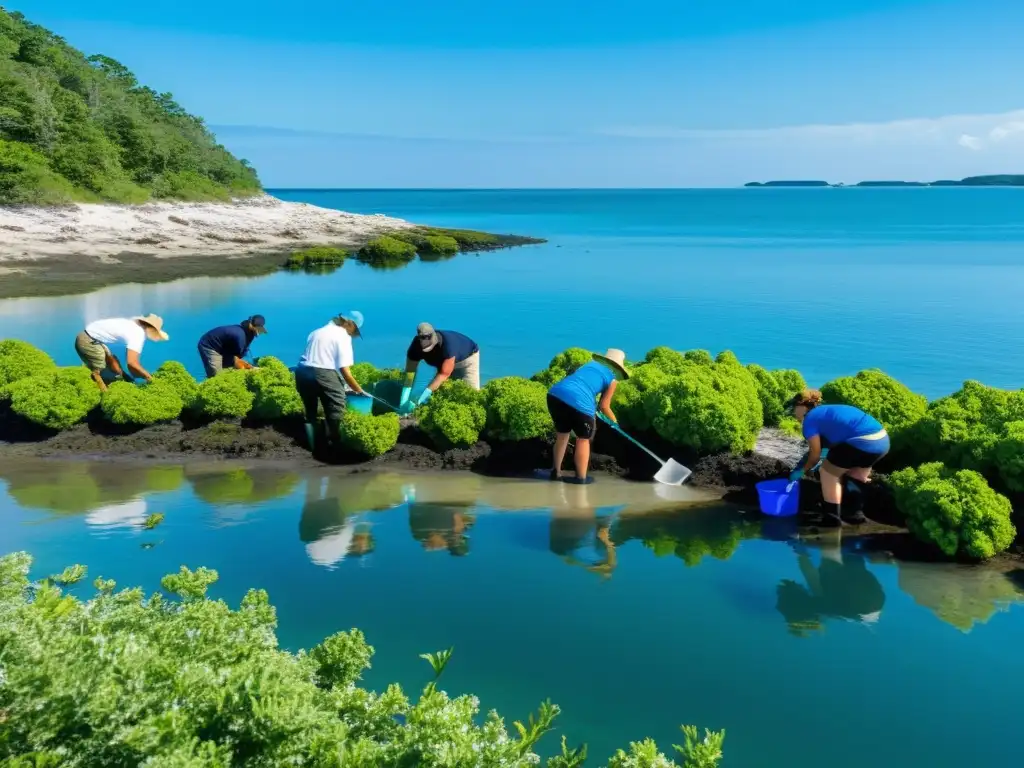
672, 473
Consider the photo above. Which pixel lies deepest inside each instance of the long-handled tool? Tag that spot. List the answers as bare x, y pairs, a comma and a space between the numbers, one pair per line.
671, 472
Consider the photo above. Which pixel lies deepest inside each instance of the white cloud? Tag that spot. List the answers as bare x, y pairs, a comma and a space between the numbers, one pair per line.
971, 142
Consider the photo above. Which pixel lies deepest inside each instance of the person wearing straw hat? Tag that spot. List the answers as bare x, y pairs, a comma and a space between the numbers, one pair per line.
93, 345
571, 403
226, 346
453, 354
324, 370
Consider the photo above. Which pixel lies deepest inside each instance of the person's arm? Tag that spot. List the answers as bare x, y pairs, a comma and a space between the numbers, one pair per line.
813, 453
606, 403
241, 365
410, 377
346, 374
135, 365
446, 369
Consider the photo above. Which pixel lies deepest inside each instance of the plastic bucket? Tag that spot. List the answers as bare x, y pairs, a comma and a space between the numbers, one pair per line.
776, 500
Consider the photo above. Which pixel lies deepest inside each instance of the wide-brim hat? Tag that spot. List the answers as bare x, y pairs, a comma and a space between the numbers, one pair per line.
616, 360
155, 322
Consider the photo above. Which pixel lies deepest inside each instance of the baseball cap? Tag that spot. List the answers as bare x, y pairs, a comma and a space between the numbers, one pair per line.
427, 336
356, 317
259, 322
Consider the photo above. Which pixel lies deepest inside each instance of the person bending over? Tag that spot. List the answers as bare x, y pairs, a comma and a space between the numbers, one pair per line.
93, 345
454, 355
227, 345
571, 405
323, 371
855, 443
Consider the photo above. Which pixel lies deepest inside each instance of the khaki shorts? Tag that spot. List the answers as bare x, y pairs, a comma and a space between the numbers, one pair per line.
468, 371
93, 353
213, 361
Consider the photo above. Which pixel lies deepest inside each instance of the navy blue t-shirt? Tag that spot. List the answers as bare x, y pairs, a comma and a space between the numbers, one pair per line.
230, 341
452, 345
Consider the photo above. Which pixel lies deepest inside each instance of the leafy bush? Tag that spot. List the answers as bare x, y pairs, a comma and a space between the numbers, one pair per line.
630, 394
438, 245
386, 251
954, 509
225, 396
468, 239
56, 399
709, 406
775, 389
562, 365
319, 258
369, 435
454, 416
368, 374
674, 363
273, 389
174, 375
19, 360
122, 679
881, 396
131, 404
517, 409
26, 178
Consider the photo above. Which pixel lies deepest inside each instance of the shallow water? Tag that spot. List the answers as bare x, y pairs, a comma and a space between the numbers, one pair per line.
695, 612
924, 283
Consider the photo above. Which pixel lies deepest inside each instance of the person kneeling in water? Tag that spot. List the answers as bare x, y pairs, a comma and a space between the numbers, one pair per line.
571, 405
855, 443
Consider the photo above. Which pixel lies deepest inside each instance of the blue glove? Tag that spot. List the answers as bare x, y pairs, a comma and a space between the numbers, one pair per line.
406, 392
796, 474
424, 396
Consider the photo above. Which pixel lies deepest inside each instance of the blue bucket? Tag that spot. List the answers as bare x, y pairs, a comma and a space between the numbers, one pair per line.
776, 500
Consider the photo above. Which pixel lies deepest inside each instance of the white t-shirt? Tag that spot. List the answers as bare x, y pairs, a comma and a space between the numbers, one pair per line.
328, 347
118, 330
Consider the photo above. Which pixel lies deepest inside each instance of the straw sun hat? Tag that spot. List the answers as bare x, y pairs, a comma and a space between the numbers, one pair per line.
616, 360
155, 322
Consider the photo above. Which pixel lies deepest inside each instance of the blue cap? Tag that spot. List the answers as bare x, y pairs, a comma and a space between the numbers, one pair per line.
355, 316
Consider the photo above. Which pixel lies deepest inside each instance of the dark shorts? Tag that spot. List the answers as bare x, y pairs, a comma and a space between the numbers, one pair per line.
846, 456
568, 419
321, 386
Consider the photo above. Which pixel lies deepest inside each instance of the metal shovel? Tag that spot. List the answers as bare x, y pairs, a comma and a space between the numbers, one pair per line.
671, 472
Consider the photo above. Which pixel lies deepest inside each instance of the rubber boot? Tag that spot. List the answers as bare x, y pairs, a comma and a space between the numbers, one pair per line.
333, 432
855, 496
311, 436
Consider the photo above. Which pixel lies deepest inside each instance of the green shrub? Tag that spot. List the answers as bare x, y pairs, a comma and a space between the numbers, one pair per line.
386, 251
628, 403
775, 389
954, 509
709, 406
562, 365
454, 415
319, 258
368, 375
131, 404
19, 360
438, 246
517, 409
57, 399
673, 363
225, 396
468, 239
185, 680
881, 396
273, 389
174, 375
26, 178
369, 435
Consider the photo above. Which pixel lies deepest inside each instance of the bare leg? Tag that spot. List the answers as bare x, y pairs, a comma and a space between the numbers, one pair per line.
561, 443
832, 492
582, 458
861, 473
97, 376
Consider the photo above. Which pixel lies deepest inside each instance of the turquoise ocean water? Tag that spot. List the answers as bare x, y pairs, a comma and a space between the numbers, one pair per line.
924, 283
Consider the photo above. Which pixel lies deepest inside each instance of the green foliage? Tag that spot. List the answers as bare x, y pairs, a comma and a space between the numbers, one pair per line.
225, 396
775, 389
368, 374
126, 679
630, 394
954, 509
273, 389
454, 416
386, 251
674, 363
562, 365
468, 239
881, 396
516, 409
56, 399
19, 360
318, 259
369, 435
174, 375
709, 406
74, 128
438, 246
131, 404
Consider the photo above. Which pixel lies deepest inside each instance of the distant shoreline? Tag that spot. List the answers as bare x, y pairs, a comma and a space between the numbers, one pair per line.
1002, 180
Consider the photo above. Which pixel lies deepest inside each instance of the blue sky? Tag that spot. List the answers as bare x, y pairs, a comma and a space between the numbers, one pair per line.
452, 93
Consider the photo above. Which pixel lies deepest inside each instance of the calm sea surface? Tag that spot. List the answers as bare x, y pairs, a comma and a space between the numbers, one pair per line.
923, 283
698, 613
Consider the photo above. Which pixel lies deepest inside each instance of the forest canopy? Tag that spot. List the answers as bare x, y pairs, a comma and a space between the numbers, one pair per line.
77, 128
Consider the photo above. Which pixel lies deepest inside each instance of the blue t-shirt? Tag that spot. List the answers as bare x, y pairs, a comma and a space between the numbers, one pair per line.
582, 388
230, 341
452, 344
840, 424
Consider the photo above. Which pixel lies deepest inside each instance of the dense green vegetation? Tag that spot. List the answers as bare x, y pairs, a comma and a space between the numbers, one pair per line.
184, 680
696, 403
81, 128
320, 258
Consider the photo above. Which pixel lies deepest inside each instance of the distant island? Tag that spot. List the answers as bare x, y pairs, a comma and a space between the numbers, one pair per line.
1000, 180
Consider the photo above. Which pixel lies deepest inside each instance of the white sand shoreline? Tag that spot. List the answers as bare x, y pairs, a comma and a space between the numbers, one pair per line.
110, 233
